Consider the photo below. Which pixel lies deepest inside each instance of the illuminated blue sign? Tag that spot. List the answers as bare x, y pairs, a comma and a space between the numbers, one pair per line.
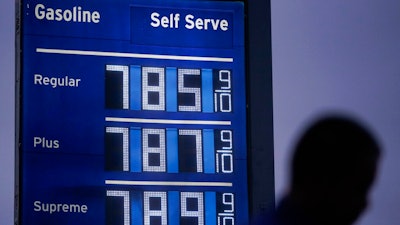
133, 112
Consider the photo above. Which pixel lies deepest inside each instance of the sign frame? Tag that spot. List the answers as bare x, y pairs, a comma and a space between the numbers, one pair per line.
260, 123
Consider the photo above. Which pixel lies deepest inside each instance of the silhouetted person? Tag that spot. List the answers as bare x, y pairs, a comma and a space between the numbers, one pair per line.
333, 167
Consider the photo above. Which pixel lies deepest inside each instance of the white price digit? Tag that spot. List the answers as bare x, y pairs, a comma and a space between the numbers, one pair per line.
153, 88
125, 144
227, 163
227, 216
155, 208
199, 147
225, 155
125, 82
223, 96
197, 211
226, 137
185, 89
228, 200
225, 76
125, 199
154, 159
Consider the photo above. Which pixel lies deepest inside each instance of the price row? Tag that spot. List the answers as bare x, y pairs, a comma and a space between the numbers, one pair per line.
168, 89
172, 207
169, 150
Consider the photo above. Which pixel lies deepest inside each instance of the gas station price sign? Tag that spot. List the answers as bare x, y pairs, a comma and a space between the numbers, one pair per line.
132, 112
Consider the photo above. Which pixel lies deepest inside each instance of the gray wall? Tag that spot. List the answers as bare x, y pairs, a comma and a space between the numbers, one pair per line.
339, 55
333, 55
7, 111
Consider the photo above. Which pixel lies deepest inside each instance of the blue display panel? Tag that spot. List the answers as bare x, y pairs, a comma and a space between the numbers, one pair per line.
133, 112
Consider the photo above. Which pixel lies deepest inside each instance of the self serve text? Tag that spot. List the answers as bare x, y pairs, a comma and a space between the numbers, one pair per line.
172, 21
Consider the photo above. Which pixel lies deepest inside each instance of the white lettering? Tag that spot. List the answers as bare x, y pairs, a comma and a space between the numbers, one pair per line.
95, 17
67, 15
42, 142
50, 208
56, 81
171, 21
39, 13
224, 25
49, 14
76, 14
206, 24
189, 22
59, 16
154, 17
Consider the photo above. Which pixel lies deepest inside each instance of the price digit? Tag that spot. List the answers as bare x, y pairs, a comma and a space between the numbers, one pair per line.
155, 208
192, 208
112, 198
227, 215
153, 88
117, 87
154, 150
113, 154
190, 151
226, 138
223, 96
224, 156
189, 91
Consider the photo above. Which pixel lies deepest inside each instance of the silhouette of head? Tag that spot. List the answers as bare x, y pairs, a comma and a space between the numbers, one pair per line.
333, 168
